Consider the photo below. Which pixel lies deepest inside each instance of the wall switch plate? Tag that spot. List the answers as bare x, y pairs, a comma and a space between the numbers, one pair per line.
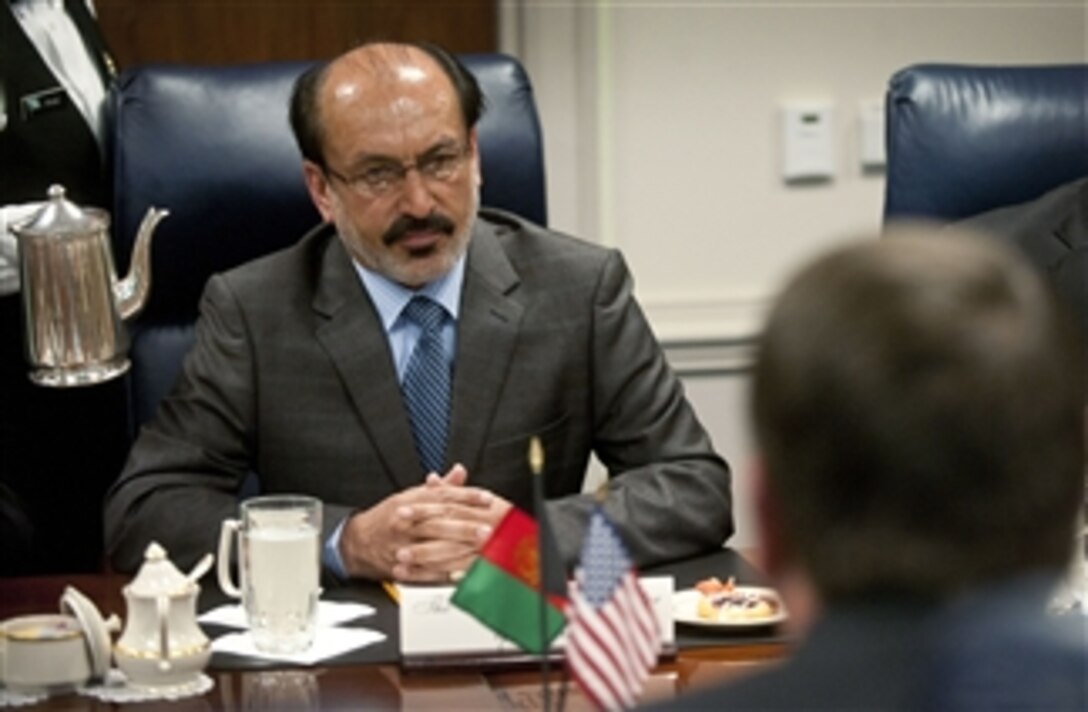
807, 141
871, 133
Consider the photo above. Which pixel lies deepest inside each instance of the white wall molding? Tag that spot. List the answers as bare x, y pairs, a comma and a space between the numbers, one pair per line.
710, 358
704, 336
721, 318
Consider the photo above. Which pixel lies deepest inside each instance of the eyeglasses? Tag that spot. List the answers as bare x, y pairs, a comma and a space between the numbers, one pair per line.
440, 165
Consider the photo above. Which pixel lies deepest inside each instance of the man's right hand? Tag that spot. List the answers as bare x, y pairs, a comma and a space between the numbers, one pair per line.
449, 518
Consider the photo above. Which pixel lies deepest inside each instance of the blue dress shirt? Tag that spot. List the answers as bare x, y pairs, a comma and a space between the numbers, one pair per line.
389, 299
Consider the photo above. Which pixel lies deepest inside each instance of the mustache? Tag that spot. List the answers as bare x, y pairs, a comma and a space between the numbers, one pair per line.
405, 224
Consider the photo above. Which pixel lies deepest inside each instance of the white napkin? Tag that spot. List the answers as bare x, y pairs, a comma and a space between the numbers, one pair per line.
328, 643
329, 613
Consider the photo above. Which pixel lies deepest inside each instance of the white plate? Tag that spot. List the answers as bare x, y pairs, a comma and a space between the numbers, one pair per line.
685, 609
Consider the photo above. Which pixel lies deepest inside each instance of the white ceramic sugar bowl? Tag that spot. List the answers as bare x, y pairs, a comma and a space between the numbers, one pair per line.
49, 653
162, 645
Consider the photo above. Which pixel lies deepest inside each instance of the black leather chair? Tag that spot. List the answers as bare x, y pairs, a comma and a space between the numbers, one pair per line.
213, 145
962, 140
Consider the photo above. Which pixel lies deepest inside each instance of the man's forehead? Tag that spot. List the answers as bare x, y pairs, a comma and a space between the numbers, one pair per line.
394, 101
383, 66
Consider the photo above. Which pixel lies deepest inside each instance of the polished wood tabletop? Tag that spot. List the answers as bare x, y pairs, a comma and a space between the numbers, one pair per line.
382, 685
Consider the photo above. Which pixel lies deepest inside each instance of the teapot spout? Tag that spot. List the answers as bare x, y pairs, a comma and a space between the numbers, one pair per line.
131, 292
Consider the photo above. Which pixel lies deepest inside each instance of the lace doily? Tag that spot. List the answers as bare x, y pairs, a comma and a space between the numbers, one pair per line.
116, 688
11, 698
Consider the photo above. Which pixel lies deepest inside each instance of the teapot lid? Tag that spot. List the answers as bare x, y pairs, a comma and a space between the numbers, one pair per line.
59, 216
158, 575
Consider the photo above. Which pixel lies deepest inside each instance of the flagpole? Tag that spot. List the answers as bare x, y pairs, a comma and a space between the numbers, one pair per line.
536, 465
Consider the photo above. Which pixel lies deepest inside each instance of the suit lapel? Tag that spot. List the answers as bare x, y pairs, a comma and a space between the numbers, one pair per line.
487, 333
353, 338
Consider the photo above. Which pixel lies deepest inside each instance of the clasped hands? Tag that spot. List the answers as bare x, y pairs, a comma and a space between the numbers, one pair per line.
428, 533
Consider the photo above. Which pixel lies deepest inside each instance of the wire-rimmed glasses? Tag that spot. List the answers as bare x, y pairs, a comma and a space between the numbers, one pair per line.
380, 177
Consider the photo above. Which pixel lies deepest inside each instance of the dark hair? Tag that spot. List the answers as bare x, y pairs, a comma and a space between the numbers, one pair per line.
464, 82
303, 113
919, 405
305, 116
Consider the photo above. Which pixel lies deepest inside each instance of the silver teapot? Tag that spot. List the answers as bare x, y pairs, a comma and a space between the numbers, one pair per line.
73, 303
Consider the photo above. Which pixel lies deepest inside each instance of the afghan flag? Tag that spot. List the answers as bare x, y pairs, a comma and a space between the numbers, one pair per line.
502, 588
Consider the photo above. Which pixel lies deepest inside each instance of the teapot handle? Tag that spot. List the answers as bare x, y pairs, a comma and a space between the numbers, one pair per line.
164, 635
226, 535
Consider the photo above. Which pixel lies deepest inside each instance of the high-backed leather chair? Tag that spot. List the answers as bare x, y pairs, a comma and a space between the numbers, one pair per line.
962, 140
214, 146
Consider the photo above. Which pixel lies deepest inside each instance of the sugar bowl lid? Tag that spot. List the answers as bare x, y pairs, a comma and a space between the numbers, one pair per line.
96, 631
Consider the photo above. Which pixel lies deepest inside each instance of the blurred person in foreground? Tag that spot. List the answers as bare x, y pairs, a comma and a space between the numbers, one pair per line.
919, 412
301, 358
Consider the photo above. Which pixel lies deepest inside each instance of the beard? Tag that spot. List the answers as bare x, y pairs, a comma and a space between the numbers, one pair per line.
413, 269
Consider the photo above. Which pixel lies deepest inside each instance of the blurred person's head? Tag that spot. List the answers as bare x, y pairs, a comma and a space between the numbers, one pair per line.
919, 411
388, 139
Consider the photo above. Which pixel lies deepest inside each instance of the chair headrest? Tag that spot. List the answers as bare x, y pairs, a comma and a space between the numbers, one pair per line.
966, 139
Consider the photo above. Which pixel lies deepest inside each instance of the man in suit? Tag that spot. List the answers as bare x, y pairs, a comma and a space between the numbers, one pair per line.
919, 409
305, 360
1052, 231
55, 73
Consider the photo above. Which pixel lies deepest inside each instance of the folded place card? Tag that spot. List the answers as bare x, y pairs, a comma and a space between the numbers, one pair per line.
432, 627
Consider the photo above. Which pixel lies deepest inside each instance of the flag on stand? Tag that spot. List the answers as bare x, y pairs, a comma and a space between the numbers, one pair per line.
502, 587
612, 636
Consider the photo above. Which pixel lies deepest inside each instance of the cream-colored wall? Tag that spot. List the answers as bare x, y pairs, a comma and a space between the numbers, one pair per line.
661, 126
661, 138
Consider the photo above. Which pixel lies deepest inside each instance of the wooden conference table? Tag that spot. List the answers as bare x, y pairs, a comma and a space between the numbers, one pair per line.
373, 678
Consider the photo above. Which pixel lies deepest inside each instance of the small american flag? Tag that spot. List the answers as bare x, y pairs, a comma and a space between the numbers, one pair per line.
612, 635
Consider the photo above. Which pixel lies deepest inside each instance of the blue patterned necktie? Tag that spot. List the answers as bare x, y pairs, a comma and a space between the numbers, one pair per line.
426, 385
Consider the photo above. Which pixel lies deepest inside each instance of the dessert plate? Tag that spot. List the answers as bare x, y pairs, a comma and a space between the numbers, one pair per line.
685, 609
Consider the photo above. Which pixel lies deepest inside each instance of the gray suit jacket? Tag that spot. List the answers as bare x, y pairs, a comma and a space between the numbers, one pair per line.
1052, 231
291, 377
